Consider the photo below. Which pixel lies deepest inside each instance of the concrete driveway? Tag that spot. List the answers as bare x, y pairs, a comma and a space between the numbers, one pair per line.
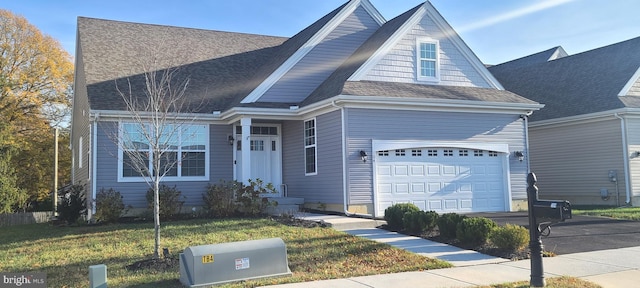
580, 234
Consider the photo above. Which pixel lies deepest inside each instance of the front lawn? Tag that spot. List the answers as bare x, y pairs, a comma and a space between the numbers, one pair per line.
65, 253
624, 213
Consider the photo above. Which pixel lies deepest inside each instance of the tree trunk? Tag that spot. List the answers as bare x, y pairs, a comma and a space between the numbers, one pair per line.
156, 217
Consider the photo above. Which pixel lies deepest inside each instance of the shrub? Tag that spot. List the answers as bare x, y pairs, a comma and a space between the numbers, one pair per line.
219, 200
250, 198
448, 223
416, 222
474, 230
72, 204
170, 201
394, 214
510, 237
109, 206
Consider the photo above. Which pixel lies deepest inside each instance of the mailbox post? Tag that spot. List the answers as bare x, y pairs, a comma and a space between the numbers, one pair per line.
541, 212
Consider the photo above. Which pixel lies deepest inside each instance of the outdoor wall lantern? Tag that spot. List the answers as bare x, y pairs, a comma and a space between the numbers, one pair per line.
363, 156
635, 154
519, 154
230, 139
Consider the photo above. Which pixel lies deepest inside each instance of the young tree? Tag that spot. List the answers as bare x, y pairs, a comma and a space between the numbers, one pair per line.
157, 102
36, 75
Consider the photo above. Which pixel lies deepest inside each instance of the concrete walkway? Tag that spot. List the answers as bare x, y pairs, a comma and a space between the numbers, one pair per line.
608, 268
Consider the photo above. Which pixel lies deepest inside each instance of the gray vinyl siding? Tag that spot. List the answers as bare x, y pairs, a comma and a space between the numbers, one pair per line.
633, 126
572, 161
220, 161
318, 64
326, 187
399, 65
364, 125
80, 126
635, 89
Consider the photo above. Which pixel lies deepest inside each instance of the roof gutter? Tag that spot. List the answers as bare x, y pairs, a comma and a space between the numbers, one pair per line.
625, 151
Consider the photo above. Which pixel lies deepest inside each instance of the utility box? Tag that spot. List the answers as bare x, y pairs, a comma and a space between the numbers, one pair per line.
235, 261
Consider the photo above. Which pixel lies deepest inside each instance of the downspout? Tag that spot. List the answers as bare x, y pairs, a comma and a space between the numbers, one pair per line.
344, 165
625, 151
526, 139
94, 160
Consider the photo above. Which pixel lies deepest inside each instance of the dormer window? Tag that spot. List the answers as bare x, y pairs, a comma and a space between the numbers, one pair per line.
427, 60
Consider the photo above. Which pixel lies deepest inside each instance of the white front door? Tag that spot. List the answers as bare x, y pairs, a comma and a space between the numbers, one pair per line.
265, 160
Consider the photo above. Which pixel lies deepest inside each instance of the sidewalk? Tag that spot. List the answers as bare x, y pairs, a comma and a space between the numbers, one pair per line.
608, 268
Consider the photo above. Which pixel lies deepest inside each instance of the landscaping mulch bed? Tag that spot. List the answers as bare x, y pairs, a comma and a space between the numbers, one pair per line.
159, 265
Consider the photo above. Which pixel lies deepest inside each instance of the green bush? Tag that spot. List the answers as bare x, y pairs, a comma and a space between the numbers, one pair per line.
250, 198
416, 222
474, 230
219, 200
448, 223
510, 237
72, 204
170, 201
394, 214
109, 206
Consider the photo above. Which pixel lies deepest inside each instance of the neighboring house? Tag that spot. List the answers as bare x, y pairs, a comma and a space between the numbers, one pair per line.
585, 143
352, 114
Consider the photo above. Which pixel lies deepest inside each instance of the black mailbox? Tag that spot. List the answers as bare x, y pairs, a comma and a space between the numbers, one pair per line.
553, 211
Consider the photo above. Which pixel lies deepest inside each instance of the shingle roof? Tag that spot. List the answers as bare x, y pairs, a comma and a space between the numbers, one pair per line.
584, 83
407, 90
222, 67
537, 58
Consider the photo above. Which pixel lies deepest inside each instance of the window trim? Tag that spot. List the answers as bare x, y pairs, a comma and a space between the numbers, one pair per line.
207, 156
419, 59
314, 145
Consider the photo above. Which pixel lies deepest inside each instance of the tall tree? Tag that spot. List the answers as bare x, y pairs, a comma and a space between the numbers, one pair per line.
36, 77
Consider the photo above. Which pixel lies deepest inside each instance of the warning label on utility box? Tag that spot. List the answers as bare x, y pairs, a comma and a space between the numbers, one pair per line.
242, 263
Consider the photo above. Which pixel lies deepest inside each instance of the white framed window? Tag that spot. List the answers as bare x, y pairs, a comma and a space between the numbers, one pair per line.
184, 155
310, 151
427, 57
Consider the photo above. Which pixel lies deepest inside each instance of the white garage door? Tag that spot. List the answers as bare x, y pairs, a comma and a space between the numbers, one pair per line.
441, 179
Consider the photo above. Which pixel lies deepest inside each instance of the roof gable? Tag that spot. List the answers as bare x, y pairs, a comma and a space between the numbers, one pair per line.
583, 83
395, 59
330, 23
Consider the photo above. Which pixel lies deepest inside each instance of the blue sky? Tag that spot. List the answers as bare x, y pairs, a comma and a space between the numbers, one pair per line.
496, 30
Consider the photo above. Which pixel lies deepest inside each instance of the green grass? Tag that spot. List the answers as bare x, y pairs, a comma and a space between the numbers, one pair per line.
65, 253
625, 213
556, 282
